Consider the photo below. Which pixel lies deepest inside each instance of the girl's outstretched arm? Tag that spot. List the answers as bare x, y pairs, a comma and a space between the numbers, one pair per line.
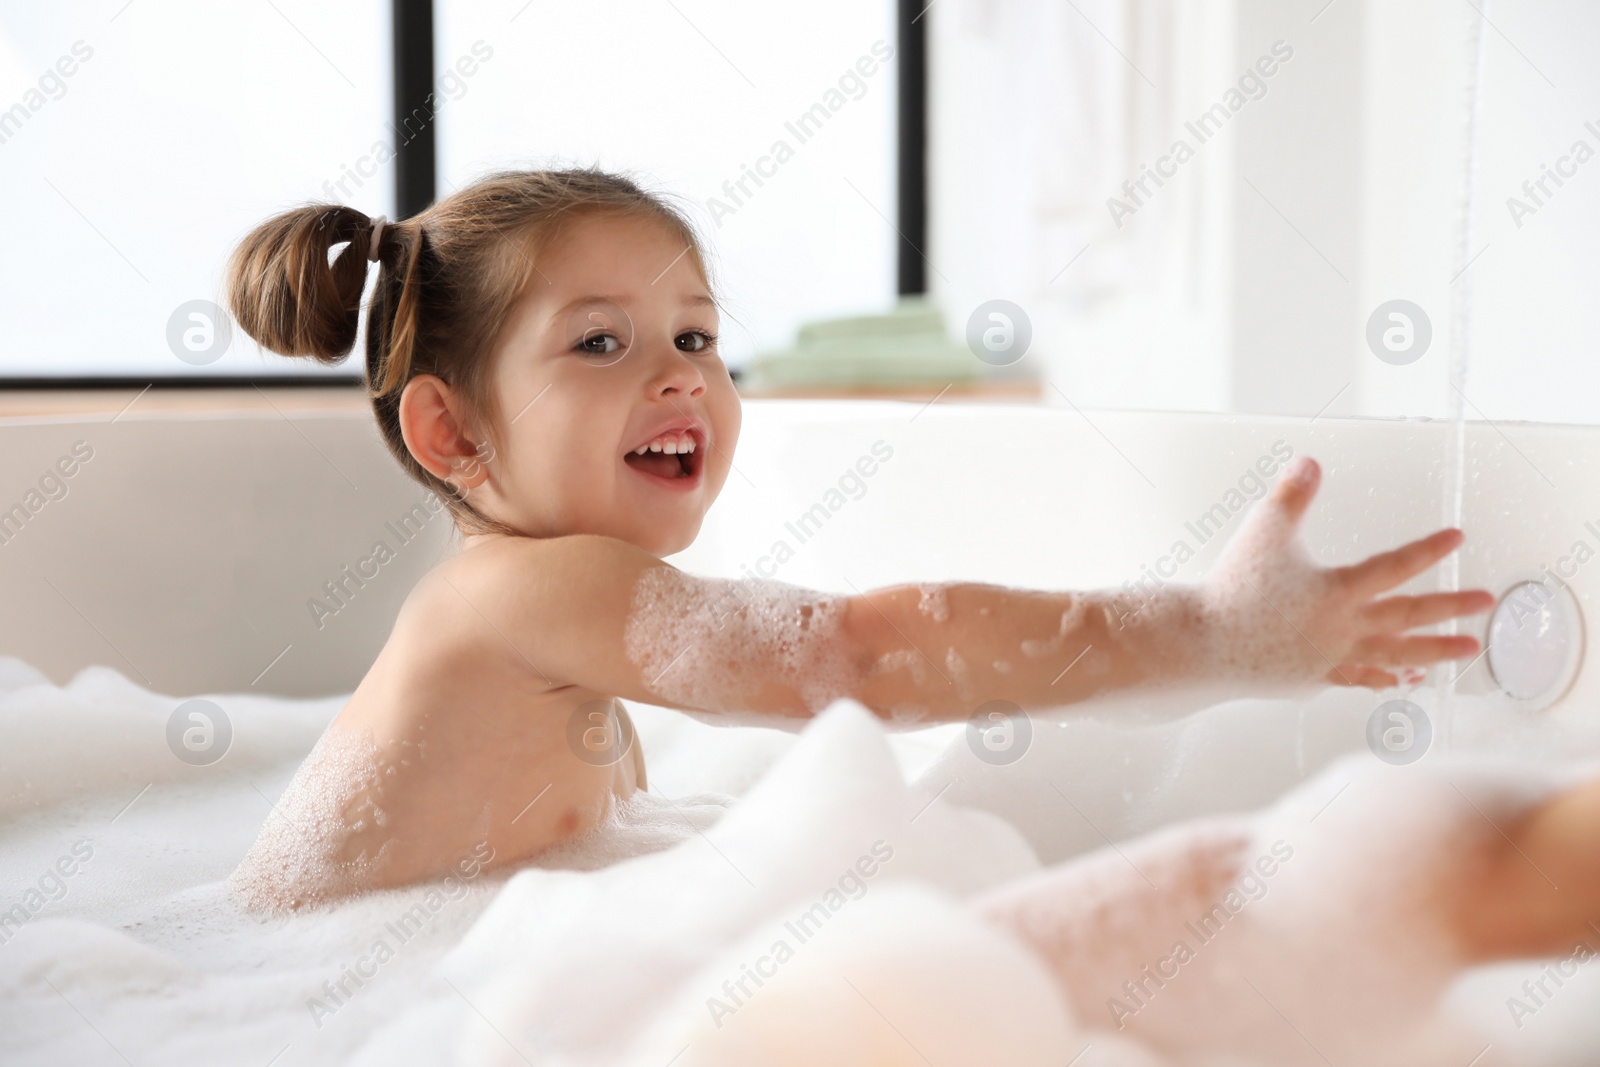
602, 614
1265, 618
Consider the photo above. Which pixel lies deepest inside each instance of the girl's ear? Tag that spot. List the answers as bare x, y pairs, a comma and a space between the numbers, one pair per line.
431, 424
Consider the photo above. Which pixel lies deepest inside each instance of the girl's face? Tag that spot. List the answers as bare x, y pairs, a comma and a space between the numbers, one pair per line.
612, 349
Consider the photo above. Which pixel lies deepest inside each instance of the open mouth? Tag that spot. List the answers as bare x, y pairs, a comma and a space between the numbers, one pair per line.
672, 457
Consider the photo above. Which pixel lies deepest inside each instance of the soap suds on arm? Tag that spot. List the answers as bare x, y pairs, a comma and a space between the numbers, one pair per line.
738, 644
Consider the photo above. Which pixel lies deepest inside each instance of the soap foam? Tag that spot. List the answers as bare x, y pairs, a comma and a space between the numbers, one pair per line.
1038, 648
1334, 913
907, 714
301, 856
1071, 619
934, 603
720, 644
170, 972
908, 659
960, 676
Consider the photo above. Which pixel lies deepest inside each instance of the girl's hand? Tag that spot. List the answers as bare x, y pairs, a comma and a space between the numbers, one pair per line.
1276, 616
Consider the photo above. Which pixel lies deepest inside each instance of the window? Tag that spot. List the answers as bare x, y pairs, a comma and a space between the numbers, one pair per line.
139, 141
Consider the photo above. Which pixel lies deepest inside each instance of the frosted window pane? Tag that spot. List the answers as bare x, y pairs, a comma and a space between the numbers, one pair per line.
187, 122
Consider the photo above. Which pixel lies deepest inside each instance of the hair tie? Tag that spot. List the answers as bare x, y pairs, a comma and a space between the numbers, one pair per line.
377, 235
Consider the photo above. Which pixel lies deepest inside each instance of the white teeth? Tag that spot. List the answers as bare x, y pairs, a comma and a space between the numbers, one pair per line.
670, 444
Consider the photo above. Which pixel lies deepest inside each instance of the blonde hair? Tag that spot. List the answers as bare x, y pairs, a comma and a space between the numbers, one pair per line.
448, 278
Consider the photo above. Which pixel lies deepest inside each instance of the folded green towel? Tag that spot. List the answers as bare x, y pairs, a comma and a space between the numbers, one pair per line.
906, 345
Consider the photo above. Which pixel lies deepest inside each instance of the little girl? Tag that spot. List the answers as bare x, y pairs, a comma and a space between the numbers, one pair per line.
541, 349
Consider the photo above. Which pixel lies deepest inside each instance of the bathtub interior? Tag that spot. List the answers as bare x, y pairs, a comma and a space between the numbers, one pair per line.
142, 947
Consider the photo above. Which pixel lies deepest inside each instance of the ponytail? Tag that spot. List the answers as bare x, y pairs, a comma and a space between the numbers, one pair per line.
284, 293
399, 334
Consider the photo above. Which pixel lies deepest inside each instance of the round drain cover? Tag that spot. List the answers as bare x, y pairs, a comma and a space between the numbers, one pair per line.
1535, 642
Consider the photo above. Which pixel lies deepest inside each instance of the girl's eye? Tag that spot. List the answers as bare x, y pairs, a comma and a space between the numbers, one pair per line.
695, 341
599, 344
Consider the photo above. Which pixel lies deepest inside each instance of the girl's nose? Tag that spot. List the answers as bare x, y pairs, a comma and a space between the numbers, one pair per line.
677, 375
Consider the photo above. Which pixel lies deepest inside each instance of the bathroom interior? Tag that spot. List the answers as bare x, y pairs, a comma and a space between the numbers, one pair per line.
1087, 272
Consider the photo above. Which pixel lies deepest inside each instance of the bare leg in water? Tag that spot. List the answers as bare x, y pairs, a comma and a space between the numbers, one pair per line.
1178, 939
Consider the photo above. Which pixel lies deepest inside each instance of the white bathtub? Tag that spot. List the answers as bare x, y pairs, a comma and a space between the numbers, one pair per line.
186, 548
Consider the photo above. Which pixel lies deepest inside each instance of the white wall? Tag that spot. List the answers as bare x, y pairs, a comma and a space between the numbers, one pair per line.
1035, 121
1535, 338
1246, 282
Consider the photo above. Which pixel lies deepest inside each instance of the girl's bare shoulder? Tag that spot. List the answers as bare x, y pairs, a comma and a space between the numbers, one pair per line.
522, 585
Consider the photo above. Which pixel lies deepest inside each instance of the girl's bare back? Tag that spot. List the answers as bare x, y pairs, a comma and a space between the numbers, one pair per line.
455, 753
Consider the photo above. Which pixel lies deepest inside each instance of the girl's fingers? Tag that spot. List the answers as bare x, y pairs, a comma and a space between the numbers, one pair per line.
1388, 569
1356, 674
1296, 489
1388, 650
1408, 612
